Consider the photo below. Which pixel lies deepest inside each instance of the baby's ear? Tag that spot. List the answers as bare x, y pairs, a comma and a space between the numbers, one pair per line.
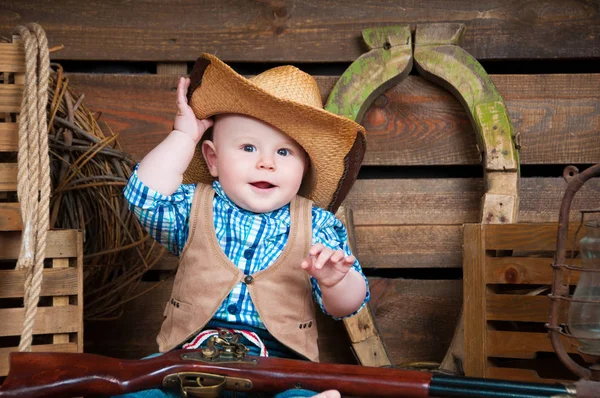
209, 151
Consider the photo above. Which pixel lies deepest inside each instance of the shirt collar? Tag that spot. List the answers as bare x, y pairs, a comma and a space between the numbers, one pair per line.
283, 213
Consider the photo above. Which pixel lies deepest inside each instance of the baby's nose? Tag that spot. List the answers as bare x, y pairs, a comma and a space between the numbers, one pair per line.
266, 162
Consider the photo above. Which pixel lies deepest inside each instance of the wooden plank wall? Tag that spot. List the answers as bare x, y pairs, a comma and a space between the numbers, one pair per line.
421, 178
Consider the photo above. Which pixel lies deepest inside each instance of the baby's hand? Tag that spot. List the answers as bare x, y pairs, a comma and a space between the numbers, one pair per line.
328, 394
185, 120
327, 266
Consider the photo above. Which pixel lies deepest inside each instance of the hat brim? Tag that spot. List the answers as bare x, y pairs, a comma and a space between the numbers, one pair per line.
334, 144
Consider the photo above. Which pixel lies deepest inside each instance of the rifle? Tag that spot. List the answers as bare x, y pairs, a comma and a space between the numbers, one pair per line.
224, 365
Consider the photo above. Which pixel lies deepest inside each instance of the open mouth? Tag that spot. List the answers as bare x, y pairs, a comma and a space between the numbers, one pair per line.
262, 185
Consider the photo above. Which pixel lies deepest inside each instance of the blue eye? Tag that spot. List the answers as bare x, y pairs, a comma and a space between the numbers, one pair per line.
249, 148
283, 152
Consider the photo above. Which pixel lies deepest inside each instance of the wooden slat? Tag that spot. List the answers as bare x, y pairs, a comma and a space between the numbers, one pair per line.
10, 97
4, 352
524, 345
516, 375
457, 200
12, 57
9, 137
307, 31
417, 201
60, 244
79, 265
55, 282
61, 301
410, 246
8, 176
48, 320
523, 270
414, 123
520, 308
10, 217
474, 301
415, 318
172, 68
526, 237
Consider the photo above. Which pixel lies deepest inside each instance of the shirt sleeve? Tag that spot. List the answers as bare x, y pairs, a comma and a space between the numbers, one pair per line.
330, 232
165, 217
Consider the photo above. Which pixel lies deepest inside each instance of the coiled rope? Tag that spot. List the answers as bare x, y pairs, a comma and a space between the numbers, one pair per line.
33, 175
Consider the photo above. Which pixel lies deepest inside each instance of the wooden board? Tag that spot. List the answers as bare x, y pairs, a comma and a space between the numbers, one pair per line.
432, 201
49, 320
437, 201
55, 282
59, 244
518, 308
10, 97
12, 58
307, 31
4, 352
523, 270
524, 345
414, 123
415, 318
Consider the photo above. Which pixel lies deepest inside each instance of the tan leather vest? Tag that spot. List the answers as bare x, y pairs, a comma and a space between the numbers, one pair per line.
281, 293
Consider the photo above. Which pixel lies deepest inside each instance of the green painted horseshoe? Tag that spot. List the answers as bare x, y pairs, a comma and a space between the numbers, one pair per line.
440, 59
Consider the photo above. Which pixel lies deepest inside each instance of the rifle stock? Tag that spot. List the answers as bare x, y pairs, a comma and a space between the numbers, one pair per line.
71, 375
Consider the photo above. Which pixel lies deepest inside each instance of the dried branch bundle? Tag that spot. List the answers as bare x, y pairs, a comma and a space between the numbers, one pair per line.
89, 171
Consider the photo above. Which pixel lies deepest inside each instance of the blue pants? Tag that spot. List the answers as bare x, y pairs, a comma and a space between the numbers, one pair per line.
158, 393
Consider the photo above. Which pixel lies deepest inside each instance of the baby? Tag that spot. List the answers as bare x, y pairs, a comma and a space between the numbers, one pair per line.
247, 214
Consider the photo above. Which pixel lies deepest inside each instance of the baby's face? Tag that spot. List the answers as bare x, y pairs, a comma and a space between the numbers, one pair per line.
259, 167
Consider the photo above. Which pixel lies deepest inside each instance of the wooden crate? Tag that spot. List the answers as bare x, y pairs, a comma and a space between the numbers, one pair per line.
12, 72
59, 320
506, 268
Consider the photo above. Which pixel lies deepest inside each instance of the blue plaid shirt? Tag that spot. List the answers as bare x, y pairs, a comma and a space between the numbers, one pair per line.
251, 241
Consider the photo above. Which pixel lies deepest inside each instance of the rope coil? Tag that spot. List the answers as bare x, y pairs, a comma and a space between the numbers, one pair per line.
33, 173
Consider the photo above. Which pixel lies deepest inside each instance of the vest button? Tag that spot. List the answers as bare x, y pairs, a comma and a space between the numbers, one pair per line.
248, 279
248, 254
232, 309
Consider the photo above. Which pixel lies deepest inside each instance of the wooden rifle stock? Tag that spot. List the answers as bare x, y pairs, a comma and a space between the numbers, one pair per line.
72, 375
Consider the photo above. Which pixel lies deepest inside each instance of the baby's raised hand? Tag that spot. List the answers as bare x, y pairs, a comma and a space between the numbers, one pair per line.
326, 265
185, 120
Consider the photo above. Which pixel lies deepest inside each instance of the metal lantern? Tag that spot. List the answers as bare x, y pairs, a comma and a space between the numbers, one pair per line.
583, 322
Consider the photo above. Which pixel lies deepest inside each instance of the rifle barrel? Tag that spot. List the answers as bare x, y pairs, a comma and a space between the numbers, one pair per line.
450, 386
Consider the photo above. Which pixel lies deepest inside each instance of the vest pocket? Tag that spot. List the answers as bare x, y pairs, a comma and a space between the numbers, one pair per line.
180, 319
176, 318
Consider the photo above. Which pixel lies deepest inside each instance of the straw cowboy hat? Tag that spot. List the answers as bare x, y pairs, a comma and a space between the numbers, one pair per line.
288, 99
